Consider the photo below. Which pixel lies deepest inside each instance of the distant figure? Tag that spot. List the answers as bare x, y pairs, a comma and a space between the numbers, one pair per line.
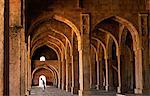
43, 84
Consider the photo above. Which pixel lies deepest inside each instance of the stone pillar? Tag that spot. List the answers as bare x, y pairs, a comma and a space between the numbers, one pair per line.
22, 65
70, 75
14, 61
59, 75
76, 69
101, 75
84, 53
15, 47
149, 41
119, 74
72, 64
75, 65
93, 69
106, 79
29, 66
98, 67
1, 46
63, 74
144, 38
72, 71
67, 68
91, 75
138, 71
26, 70
98, 75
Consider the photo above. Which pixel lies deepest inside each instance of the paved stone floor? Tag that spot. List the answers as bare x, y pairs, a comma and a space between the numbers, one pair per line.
49, 91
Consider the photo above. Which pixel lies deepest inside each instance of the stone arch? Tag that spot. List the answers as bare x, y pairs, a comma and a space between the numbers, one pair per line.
103, 46
92, 46
129, 25
137, 50
132, 30
58, 18
51, 68
58, 53
54, 30
114, 39
93, 65
41, 67
49, 37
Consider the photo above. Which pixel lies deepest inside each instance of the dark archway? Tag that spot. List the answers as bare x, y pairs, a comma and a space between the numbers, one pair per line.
127, 63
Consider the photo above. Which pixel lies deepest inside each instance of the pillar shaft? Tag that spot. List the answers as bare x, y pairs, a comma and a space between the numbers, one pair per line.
22, 54
119, 75
63, 75
84, 53
14, 61
138, 71
106, 69
72, 71
29, 65
67, 75
59, 74
1, 46
98, 75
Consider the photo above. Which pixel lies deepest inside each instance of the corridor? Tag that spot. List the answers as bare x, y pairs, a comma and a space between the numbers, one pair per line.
49, 91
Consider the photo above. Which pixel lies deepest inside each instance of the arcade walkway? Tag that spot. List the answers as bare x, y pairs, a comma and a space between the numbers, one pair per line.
49, 91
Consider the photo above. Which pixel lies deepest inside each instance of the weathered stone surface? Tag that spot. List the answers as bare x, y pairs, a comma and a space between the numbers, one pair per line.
1, 45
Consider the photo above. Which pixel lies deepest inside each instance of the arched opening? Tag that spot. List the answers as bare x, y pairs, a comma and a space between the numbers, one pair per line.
113, 65
43, 57
93, 54
112, 27
42, 79
47, 75
127, 63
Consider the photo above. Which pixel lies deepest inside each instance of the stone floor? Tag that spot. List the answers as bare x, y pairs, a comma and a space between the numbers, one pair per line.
52, 91
49, 91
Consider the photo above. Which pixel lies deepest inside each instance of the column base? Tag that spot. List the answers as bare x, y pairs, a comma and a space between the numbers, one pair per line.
62, 87
97, 86
67, 90
59, 86
28, 92
118, 89
93, 86
138, 91
91, 92
81, 93
74, 90
106, 88
84, 93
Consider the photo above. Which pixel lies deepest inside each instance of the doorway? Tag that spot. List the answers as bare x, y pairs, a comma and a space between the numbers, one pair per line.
40, 81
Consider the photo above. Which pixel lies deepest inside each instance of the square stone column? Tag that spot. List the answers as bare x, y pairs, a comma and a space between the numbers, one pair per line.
14, 61
84, 59
15, 28
75, 65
